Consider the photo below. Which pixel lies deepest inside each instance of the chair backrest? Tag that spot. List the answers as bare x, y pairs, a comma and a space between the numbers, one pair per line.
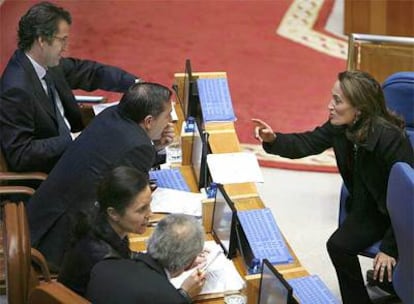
22, 280
399, 93
16, 246
3, 163
54, 293
31, 179
380, 55
400, 204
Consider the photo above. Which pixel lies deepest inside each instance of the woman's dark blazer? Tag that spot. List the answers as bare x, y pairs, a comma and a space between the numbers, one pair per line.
99, 243
385, 145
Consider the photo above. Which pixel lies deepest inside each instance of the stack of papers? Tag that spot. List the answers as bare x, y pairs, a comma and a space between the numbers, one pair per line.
166, 200
222, 276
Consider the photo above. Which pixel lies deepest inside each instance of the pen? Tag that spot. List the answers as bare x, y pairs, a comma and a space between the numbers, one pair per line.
210, 262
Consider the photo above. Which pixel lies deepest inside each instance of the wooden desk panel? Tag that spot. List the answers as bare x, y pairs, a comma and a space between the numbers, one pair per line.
248, 203
226, 142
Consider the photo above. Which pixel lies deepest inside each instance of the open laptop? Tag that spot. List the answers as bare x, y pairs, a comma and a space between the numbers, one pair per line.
224, 221
199, 151
274, 289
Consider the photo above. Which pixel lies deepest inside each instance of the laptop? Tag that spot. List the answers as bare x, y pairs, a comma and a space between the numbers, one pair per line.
224, 221
273, 288
199, 151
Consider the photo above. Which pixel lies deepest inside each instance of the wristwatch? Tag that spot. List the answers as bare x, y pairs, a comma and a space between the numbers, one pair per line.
185, 295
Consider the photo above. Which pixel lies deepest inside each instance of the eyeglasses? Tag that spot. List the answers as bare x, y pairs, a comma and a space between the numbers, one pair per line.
63, 40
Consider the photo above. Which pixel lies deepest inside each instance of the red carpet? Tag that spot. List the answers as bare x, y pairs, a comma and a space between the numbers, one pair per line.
270, 77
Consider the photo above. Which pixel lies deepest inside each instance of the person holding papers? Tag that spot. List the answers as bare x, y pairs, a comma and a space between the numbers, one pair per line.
124, 206
367, 140
39, 116
121, 135
172, 248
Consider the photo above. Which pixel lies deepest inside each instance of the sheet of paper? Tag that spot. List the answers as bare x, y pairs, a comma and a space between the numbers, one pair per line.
174, 116
221, 275
175, 201
234, 168
92, 99
98, 108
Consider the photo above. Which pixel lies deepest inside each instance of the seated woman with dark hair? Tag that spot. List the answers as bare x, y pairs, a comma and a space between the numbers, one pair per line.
172, 248
123, 207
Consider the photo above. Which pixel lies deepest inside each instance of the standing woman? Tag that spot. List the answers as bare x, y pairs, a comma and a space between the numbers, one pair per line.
367, 140
123, 207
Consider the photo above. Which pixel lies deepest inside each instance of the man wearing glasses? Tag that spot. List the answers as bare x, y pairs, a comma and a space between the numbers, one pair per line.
39, 116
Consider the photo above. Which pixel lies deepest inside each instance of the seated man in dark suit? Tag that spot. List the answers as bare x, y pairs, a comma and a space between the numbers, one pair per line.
172, 248
121, 135
39, 116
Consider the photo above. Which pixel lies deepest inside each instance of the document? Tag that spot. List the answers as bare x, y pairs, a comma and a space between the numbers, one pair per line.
98, 108
90, 99
166, 200
221, 275
234, 168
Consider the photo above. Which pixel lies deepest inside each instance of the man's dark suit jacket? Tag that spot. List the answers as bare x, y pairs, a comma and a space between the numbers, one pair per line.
29, 134
109, 141
142, 281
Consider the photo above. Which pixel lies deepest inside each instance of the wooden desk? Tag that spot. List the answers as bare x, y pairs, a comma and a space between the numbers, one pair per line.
380, 17
222, 139
292, 270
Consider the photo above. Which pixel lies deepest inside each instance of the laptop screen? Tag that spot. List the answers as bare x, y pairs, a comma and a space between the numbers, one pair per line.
186, 88
223, 224
273, 287
199, 153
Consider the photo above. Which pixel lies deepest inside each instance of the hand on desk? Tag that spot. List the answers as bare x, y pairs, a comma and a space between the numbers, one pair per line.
194, 283
263, 131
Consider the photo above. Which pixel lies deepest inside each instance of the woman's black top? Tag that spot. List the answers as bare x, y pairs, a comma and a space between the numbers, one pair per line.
365, 167
100, 243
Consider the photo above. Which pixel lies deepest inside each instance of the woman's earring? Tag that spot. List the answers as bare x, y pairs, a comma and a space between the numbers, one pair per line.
356, 118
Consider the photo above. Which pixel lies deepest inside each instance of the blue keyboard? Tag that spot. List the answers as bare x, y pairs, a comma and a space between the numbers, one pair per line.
215, 100
169, 178
311, 290
264, 236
